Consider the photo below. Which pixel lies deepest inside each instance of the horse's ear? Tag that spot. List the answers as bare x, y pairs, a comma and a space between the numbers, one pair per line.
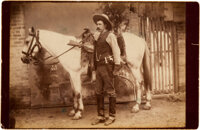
31, 30
37, 35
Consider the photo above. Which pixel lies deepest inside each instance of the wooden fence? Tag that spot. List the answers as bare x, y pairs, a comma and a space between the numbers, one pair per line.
161, 37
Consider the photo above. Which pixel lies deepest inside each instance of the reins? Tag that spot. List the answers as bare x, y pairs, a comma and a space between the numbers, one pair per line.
37, 39
60, 54
38, 44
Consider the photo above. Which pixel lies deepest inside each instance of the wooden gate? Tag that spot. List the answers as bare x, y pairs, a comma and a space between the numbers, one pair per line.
161, 37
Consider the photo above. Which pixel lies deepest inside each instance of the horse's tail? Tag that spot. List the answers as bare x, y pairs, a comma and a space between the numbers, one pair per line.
146, 68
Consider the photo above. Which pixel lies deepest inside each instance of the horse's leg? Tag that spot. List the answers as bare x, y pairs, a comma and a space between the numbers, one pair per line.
147, 105
79, 108
137, 74
136, 108
147, 77
73, 111
77, 96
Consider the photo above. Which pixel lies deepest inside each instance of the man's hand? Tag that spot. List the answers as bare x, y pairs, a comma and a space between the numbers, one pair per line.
74, 43
88, 47
117, 68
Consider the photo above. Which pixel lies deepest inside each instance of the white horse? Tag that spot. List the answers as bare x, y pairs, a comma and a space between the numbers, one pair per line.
138, 57
70, 58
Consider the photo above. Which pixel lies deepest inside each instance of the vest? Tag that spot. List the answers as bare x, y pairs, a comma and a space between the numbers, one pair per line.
102, 48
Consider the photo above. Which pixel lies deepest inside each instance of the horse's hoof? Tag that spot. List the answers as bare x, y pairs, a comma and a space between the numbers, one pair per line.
77, 117
147, 107
135, 110
71, 113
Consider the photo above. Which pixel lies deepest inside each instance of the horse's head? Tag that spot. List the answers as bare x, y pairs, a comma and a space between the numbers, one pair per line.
32, 47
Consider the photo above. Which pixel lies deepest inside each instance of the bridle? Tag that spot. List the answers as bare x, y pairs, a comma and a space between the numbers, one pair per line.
29, 53
29, 56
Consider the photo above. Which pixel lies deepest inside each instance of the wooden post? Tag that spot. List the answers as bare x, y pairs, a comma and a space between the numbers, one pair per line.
154, 54
145, 29
169, 63
150, 45
165, 54
172, 57
175, 58
161, 56
158, 53
141, 34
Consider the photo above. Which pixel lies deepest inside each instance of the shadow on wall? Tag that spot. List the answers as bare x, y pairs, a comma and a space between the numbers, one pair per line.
50, 85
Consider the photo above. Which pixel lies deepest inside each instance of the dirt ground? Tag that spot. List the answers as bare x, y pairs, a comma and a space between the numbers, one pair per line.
164, 113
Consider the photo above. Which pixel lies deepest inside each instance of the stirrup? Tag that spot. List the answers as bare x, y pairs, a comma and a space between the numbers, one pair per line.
100, 119
109, 121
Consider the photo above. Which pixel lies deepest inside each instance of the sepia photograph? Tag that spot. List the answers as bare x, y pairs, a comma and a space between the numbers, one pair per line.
97, 64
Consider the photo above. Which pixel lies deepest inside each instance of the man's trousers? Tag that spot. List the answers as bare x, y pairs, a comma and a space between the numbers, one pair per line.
105, 85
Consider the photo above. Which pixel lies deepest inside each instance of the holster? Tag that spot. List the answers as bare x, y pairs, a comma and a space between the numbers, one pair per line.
105, 60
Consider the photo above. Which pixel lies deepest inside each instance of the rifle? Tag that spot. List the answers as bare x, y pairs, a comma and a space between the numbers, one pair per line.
74, 43
88, 47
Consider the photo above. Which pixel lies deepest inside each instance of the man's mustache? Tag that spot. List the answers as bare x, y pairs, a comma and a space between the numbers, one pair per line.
98, 29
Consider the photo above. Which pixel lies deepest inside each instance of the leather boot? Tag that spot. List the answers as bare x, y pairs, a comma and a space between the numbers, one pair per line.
112, 111
100, 110
100, 105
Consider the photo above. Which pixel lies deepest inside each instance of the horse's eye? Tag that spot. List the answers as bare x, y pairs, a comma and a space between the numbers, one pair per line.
27, 40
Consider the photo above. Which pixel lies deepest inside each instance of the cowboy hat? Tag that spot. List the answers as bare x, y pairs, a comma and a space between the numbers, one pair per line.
104, 18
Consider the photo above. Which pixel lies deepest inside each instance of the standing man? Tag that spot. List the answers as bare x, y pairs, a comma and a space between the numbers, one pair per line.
107, 64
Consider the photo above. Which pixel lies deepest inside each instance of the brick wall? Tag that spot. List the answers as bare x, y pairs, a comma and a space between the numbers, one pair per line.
19, 88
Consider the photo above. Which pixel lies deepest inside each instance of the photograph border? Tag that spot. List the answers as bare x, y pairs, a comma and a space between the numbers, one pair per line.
192, 63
